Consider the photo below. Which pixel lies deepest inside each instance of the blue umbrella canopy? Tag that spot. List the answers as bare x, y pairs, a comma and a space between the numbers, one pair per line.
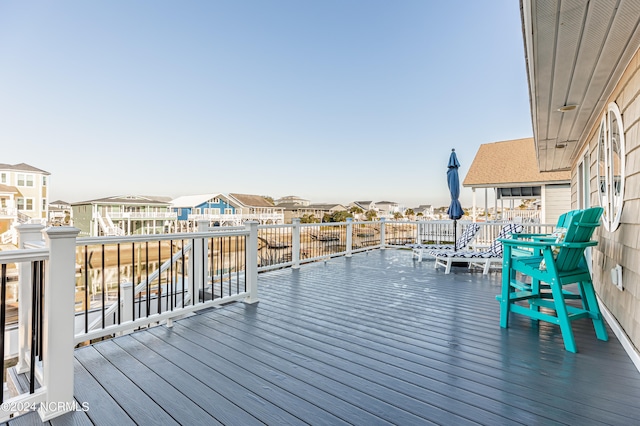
455, 209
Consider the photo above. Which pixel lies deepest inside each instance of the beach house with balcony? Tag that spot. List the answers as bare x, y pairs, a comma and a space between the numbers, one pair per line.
583, 67
24, 191
257, 208
217, 209
123, 215
518, 178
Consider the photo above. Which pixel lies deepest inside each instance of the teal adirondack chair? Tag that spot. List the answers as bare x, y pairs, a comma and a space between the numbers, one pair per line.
548, 280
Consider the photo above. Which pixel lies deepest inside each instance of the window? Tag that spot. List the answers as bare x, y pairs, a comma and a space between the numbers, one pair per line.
611, 167
25, 180
24, 203
3, 178
44, 181
44, 204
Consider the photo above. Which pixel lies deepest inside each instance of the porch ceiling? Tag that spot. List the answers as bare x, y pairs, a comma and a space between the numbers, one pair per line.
576, 52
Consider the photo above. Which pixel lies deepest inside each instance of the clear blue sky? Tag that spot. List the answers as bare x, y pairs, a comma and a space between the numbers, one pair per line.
330, 100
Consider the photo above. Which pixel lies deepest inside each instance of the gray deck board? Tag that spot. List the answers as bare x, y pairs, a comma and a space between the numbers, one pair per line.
374, 339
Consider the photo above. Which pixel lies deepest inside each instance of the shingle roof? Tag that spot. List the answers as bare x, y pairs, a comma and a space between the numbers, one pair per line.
7, 188
22, 167
509, 163
128, 199
252, 200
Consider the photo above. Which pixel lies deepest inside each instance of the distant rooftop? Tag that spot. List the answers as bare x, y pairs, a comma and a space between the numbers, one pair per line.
23, 167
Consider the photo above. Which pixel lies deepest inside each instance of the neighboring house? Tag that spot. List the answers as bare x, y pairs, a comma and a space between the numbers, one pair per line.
292, 200
583, 67
387, 209
24, 191
60, 213
319, 210
257, 208
218, 209
364, 205
123, 215
425, 209
510, 169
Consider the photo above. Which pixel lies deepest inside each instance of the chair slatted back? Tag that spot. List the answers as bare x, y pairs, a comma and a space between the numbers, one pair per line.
496, 246
467, 235
580, 228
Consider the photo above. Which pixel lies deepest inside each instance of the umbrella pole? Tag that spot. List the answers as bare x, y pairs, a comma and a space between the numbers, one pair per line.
455, 237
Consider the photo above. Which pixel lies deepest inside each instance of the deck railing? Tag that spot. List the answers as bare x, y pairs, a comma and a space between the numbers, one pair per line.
128, 282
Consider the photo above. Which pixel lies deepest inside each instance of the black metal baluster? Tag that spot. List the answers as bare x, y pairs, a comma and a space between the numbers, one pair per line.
3, 320
86, 289
133, 283
182, 271
148, 287
171, 285
41, 296
119, 285
34, 325
102, 283
159, 276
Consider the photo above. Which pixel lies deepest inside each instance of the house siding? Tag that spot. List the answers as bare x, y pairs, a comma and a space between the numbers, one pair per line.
621, 247
557, 201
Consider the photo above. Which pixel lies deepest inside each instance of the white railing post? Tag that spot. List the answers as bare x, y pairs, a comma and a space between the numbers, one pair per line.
199, 251
295, 248
26, 233
127, 304
419, 236
382, 233
58, 321
349, 241
252, 263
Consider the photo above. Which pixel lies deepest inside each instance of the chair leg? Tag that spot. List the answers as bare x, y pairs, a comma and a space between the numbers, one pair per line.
487, 266
448, 267
563, 317
590, 303
505, 303
535, 294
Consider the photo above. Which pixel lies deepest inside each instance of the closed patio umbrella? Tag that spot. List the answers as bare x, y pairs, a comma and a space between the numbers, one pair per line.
455, 209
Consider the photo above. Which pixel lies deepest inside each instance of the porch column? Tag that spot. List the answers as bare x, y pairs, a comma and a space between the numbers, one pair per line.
475, 215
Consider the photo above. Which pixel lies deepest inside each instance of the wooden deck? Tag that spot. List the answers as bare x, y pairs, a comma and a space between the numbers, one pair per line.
375, 339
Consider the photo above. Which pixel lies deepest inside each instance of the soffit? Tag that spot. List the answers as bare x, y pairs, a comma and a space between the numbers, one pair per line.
576, 52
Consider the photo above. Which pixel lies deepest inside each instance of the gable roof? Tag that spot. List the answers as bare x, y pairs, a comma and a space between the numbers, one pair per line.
192, 200
22, 167
252, 200
509, 163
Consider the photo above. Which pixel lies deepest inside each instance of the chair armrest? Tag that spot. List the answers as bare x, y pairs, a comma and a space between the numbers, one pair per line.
523, 235
526, 243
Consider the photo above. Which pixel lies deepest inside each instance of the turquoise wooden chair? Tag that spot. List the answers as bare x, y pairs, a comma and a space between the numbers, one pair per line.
564, 264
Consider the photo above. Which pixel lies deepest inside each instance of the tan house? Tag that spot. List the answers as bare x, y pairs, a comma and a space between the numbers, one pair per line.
257, 207
510, 169
583, 67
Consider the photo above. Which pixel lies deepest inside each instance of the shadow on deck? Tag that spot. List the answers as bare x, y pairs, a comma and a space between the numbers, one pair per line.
374, 339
